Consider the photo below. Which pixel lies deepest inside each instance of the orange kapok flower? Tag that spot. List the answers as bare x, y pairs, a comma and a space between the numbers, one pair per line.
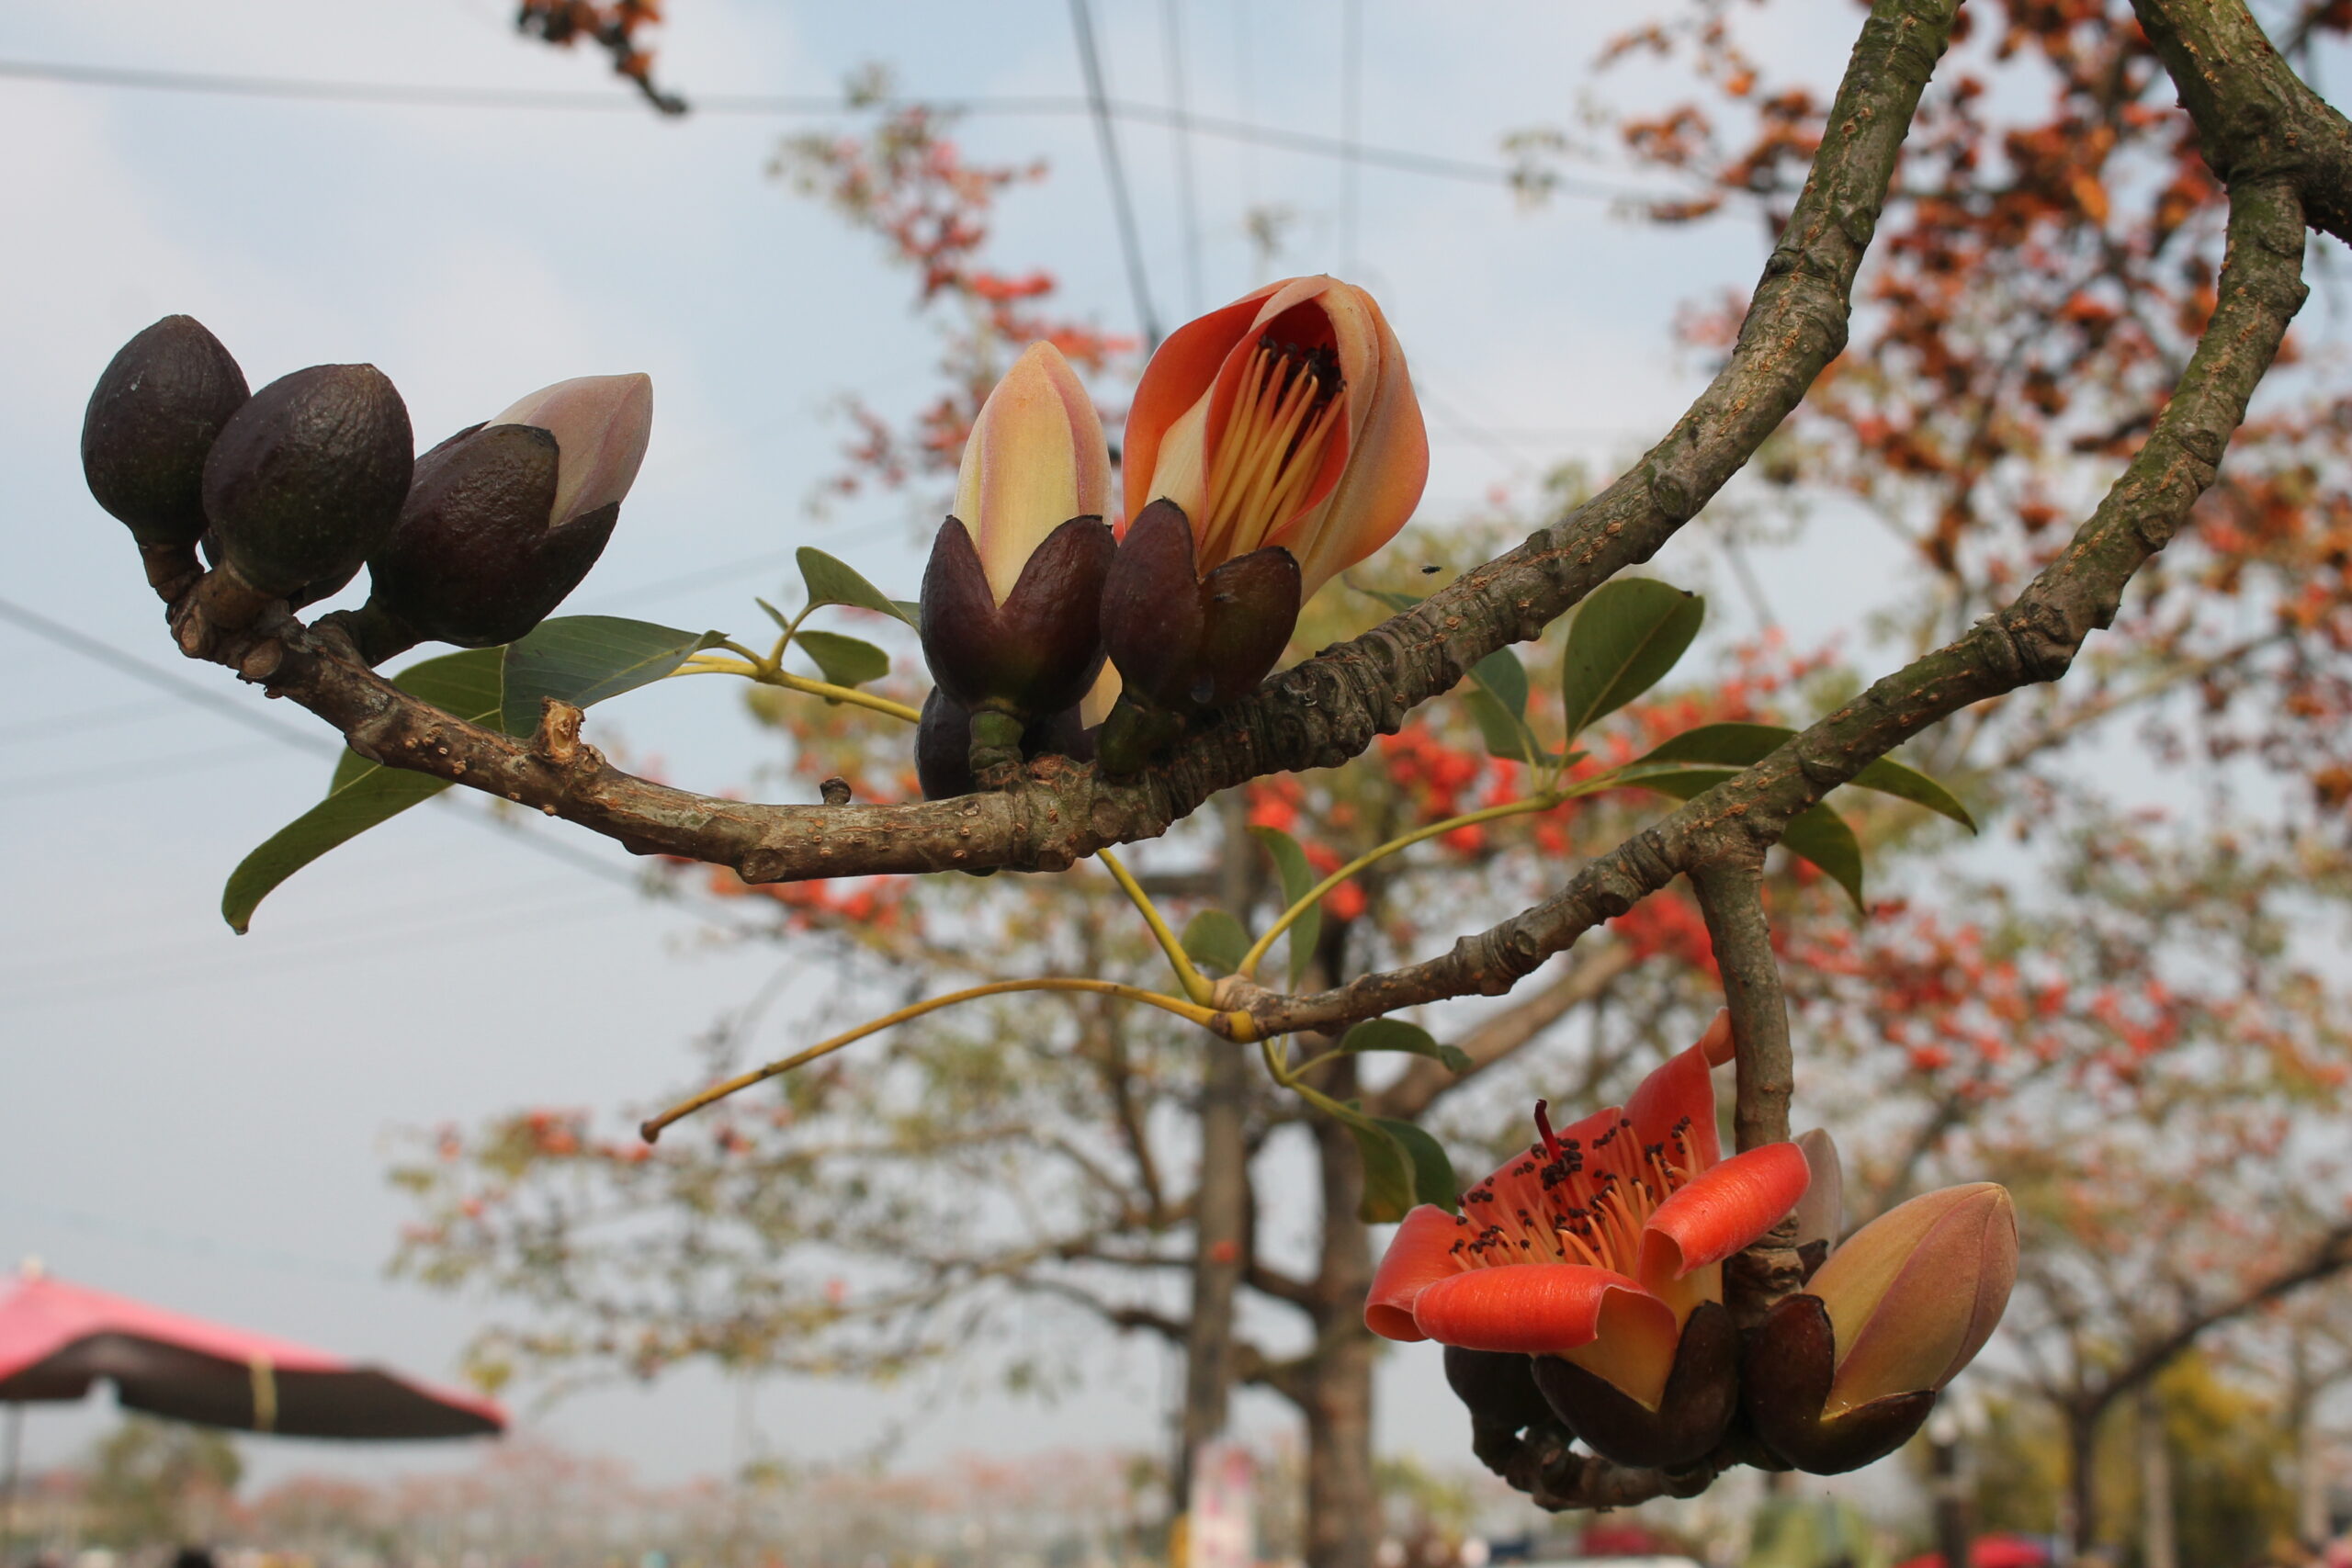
1600, 1245
1286, 419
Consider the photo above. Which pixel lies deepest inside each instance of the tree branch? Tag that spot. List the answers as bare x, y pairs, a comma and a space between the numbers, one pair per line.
1496, 1039
1319, 715
2035, 638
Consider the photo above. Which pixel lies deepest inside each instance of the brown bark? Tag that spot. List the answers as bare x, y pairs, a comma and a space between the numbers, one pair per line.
1342, 1503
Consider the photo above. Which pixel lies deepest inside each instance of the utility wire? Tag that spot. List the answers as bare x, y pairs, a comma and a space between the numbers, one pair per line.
422, 95
90, 648
1180, 136
1351, 124
1106, 138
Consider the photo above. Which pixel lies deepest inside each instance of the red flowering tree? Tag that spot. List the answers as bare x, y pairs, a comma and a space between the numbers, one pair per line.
2068, 313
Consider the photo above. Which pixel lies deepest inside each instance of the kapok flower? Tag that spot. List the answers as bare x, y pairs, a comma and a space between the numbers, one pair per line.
1598, 1248
504, 518
1286, 419
1845, 1373
1011, 598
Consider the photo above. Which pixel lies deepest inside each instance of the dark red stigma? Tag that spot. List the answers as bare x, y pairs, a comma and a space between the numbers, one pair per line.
1543, 1125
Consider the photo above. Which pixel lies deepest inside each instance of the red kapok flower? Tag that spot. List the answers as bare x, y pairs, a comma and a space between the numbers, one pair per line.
1598, 1244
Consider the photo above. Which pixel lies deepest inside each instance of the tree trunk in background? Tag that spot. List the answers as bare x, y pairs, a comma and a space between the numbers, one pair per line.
1342, 1502
1222, 1203
2157, 1547
1948, 1489
2311, 1474
2082, 1479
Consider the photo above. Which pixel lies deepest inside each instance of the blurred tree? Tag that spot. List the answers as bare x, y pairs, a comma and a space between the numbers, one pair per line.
160, 1482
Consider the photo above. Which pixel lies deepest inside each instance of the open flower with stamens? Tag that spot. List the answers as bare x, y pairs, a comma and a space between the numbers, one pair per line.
1599, 1252
1271, 444
1286, 419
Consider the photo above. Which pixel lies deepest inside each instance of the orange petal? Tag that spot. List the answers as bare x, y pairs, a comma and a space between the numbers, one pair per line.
1179, 375
1684, 1088
1387, 448
1634, 1347
1722, 1210
1537, 1308
1420, 1253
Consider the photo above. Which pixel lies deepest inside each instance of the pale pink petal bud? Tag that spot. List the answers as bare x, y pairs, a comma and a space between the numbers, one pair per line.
601, 425
1821, 1213
1915, 1293
1035, 459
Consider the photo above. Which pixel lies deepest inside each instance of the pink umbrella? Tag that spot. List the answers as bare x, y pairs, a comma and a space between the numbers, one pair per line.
56, 1339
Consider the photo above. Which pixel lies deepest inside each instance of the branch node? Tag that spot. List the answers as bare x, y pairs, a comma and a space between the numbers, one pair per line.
556, 741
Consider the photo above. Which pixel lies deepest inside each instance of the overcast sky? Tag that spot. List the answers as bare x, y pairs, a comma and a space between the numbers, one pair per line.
203, 1120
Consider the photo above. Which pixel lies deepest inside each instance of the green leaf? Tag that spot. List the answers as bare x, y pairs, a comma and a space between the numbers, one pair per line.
1501, 674
1624, 639
1816, 833
1433, 1179
1504, 735
783, 622
845, 661
1397, 602
1389, 1176
1742, 744
364, 793
832, 581
583, 659
1215, 939
1298, 876
909, 610
1396, 1034
1497, 699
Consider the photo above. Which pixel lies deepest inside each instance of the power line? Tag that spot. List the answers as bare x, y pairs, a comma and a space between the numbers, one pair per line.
1081, 18
422, 95
90, 648
1173, 45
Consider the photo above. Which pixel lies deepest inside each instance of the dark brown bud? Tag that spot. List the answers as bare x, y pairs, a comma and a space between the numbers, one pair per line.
157, 409
307, 480
1037, 652
1187, 644
1693, 1414
1785, 1375
475, 558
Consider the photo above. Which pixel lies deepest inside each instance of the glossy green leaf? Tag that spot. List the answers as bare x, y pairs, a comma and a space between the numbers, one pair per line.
783, 622
362, 792
1389, 1176
1396, 1034
1740, 745
1433, 1181
845, 661
832, 581
909, 610
1215, 940
1297, 877
584, 659
1816, 833
1627, 636
1497, 699
1501, 674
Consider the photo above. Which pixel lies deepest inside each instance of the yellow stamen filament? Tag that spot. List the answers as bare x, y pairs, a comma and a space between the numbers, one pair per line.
1271, 450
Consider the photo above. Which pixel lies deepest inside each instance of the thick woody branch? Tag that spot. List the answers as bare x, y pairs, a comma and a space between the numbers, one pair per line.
2034, 638
2255, 118
1319, 715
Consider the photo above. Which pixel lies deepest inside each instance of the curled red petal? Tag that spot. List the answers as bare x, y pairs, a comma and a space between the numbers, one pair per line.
1533, 1308
1681, 1090
1420, 1254
1179, 375
1722, 1210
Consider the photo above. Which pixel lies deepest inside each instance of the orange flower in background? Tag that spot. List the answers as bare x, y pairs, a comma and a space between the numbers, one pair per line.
1288, 417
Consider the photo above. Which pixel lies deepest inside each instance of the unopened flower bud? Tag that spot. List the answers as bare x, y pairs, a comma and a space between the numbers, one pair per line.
307, 478
505, 519
1012, 596
1845, 1373
155, 412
